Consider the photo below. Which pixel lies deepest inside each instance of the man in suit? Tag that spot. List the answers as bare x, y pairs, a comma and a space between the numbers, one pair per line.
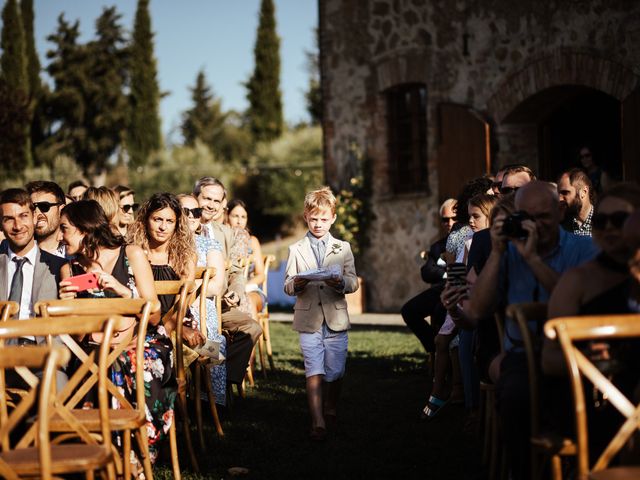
212, 198
48, 199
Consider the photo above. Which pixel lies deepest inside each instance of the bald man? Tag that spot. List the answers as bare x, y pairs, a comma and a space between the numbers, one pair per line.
521, 270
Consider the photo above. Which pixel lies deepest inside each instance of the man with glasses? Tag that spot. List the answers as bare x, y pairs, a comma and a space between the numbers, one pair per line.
48, 199
127, 208
76, 190
523, 269
515, 177
427, 303
575, 192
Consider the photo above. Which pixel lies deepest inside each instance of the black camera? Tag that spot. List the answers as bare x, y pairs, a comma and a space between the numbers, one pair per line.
512, 226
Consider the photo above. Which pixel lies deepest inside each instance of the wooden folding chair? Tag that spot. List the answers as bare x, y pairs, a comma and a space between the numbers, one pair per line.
183, 290
93, 454
569, 330
129, 417
544, 445
8, 309
201, 367
263, 316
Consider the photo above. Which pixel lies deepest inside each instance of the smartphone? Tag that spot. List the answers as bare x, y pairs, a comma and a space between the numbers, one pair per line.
84, 282
457, 274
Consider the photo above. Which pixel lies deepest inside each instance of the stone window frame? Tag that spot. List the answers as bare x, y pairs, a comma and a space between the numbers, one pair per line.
407, 137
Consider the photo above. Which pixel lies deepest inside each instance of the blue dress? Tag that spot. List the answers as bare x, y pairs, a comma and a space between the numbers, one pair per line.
218, 372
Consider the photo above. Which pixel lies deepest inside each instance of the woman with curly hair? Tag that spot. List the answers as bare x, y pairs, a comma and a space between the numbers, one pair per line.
123, 271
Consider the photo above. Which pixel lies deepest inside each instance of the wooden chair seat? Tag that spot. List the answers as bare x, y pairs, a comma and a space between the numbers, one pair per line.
553, 443
68, 458
617, 473
118, 420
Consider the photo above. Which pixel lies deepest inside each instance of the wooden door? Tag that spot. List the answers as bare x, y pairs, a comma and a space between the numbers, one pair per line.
631, 136
463, 148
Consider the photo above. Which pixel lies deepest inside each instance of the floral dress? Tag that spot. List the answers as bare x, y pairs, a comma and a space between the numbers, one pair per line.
218, 372
160, 384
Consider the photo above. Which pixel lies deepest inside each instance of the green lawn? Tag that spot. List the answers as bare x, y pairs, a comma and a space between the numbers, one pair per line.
380, 435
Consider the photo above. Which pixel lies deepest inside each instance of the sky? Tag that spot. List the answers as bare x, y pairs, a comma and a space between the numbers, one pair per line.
217, 36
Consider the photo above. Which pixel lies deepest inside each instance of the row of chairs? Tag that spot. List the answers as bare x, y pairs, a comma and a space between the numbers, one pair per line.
549, 448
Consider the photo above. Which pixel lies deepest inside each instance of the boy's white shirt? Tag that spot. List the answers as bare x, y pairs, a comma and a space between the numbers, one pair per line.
319, 302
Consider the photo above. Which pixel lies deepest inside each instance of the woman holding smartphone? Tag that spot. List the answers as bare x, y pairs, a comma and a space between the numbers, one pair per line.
122, 271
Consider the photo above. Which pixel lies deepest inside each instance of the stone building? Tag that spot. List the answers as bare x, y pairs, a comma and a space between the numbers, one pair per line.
435, 92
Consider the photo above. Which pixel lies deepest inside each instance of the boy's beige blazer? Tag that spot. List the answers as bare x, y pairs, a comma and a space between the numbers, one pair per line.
318, 301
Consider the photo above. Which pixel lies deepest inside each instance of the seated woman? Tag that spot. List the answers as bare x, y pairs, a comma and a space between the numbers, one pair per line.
162, 231
600, 286
238, 218
108, 200
123, 271
209, 252
127, 208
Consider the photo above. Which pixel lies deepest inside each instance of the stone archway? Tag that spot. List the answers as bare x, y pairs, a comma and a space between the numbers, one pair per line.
563, 67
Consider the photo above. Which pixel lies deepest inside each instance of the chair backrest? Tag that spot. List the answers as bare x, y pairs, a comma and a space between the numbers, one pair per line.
205, 274
183, 290
569, 330
41, 388
523, 314
8, 309
89, 374
268, 260
138, 307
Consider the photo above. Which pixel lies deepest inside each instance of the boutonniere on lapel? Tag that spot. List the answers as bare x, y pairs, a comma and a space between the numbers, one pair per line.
335, 248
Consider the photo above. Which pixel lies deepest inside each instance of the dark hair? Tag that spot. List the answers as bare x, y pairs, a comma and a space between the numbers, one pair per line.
181, 244
123, 191
89, 217
77, 183
46, 187
17, 195
518, 168
236, 202
470, 190
579, 176
208, 182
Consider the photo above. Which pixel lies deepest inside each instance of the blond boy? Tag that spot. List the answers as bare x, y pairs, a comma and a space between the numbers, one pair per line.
320, 313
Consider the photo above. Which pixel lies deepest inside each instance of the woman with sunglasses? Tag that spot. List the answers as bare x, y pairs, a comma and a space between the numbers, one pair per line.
600, 286
127, 208
209, 252
123, 271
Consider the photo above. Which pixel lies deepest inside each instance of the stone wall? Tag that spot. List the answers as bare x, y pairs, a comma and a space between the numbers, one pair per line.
488, 54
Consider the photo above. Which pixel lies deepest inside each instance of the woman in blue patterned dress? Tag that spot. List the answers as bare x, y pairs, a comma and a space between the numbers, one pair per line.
209, 253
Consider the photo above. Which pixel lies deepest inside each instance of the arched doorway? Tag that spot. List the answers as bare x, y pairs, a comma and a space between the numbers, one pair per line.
569, 117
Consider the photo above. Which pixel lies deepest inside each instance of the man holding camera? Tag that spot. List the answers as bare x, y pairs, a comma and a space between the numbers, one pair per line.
526, 260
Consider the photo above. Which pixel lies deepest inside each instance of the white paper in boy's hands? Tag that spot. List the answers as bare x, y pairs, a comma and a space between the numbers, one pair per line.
324, 273
210, 349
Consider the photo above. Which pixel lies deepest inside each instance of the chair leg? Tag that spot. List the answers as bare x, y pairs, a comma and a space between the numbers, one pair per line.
249, 375
198, 403
212, 403
556, 467
173, 443
182, 402
126, 454
267, 339
261, 355
143, 447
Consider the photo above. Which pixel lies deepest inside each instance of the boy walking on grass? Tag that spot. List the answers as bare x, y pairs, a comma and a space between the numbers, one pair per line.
320, 271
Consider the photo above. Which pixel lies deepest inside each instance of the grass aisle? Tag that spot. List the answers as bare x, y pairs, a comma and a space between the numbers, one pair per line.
379, 435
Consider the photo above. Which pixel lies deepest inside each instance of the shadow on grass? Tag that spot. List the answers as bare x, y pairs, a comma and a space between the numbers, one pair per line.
379, 435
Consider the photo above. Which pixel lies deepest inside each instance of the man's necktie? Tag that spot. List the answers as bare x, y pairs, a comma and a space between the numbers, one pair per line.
15, 294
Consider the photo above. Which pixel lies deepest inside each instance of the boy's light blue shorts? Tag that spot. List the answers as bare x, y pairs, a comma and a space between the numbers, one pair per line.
325, 353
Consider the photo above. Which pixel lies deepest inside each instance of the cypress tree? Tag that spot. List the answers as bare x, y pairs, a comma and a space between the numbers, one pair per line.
15, 86
201, 120
144, 132
263, 88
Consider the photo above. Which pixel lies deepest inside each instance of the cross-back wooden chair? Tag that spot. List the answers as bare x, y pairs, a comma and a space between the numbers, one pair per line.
544, 445
183, 291
94, 453
201, 368
569, 330
263, 316
129, 417
8, 309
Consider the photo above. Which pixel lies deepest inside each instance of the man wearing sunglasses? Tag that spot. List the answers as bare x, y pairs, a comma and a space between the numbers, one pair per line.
575, 192
48, 199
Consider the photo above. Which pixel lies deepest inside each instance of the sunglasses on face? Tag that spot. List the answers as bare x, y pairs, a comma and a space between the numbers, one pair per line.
599, 220
44, 207
196, 212
447, 219
508, 190
130, 207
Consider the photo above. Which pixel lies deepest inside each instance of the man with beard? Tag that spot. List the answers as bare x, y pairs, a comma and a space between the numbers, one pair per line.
48, 199
575, 193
